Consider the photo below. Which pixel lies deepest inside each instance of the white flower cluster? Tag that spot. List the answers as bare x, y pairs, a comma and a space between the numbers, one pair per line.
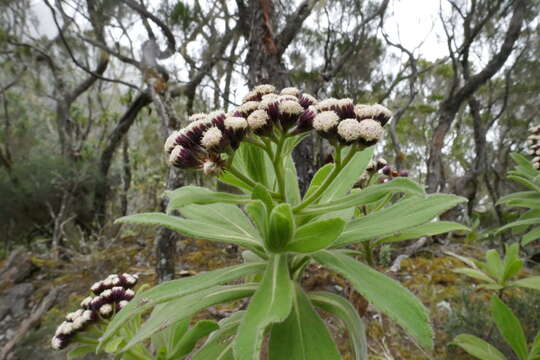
265, 112
111, 295
534, 145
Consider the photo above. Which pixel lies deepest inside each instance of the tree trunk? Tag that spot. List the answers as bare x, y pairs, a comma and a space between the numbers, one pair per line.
265, 63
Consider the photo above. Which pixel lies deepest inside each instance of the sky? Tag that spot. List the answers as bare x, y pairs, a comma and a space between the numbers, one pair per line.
409, 22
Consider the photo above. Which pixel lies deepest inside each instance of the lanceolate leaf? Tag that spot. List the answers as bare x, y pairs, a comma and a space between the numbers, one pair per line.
532, 235
271, 304
384, 293
218, 346
367, 195
475, 274
404, 215
303, 335
189, 340
174, 289
195, 229
187, 195
187, 306
478, 347
318, 178
509, 327
531, 282
429, 229
343, 309
316, 235
229, 217
348, 176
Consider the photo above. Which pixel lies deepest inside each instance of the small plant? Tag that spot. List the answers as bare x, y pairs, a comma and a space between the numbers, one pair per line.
498, 273
511, 331
281, 231
527, 175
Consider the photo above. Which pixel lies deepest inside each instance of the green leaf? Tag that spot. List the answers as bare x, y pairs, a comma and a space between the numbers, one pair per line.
525, 182
509, 327
367, 195
522, 195
188, 195
259, 214
494, 265
80, 351
218, 346
231, 179
261, 193
303, 335
174, 289
189, 340
316, 235
429, 229
534, 354
195, 229
169, 336
512, 262
229, 217
319, 178
188, 305
478, 347
343, 309
475, 274
384, 293
292, 189
401, 216
531, 236
531, 282
271, 304
524, 165
348, 176
281, 228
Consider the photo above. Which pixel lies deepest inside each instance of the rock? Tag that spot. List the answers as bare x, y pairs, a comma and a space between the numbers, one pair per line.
15, 300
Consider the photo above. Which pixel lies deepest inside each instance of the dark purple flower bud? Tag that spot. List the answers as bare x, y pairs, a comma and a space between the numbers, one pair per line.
305, 120
306, 100
394, 173
381, 163
289, 113
235, 128
184, 158
345, 108
290, 91
403, 173
383, 179
387, 170
217, 118
259, 122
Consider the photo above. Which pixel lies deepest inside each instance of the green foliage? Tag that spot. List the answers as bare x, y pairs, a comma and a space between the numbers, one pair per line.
285, 233
527, 224
498, 273
511, 330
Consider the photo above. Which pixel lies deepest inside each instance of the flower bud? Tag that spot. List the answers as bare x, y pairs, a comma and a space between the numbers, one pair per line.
235, 128
330, 104
305, 120
290, 91
370, 131
170, 143
289, 112
403, 173
213, 140
381, 163
307, 100
387, 170
345, 108
183, 158
349, 130
326, 123
246, 108
259, 122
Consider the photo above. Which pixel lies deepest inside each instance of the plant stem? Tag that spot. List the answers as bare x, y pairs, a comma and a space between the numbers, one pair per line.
368, 250
278, 167
250, 182
326, 182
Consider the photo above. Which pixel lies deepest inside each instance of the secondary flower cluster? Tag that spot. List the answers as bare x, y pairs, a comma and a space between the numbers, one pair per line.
111, 295
391, 173
266, 113
534, 145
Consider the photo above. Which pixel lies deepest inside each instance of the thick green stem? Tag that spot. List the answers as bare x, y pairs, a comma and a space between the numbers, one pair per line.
326, 182
368, 250
278, 167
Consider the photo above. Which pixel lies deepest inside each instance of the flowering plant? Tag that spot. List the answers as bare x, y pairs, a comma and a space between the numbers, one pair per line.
282, 231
